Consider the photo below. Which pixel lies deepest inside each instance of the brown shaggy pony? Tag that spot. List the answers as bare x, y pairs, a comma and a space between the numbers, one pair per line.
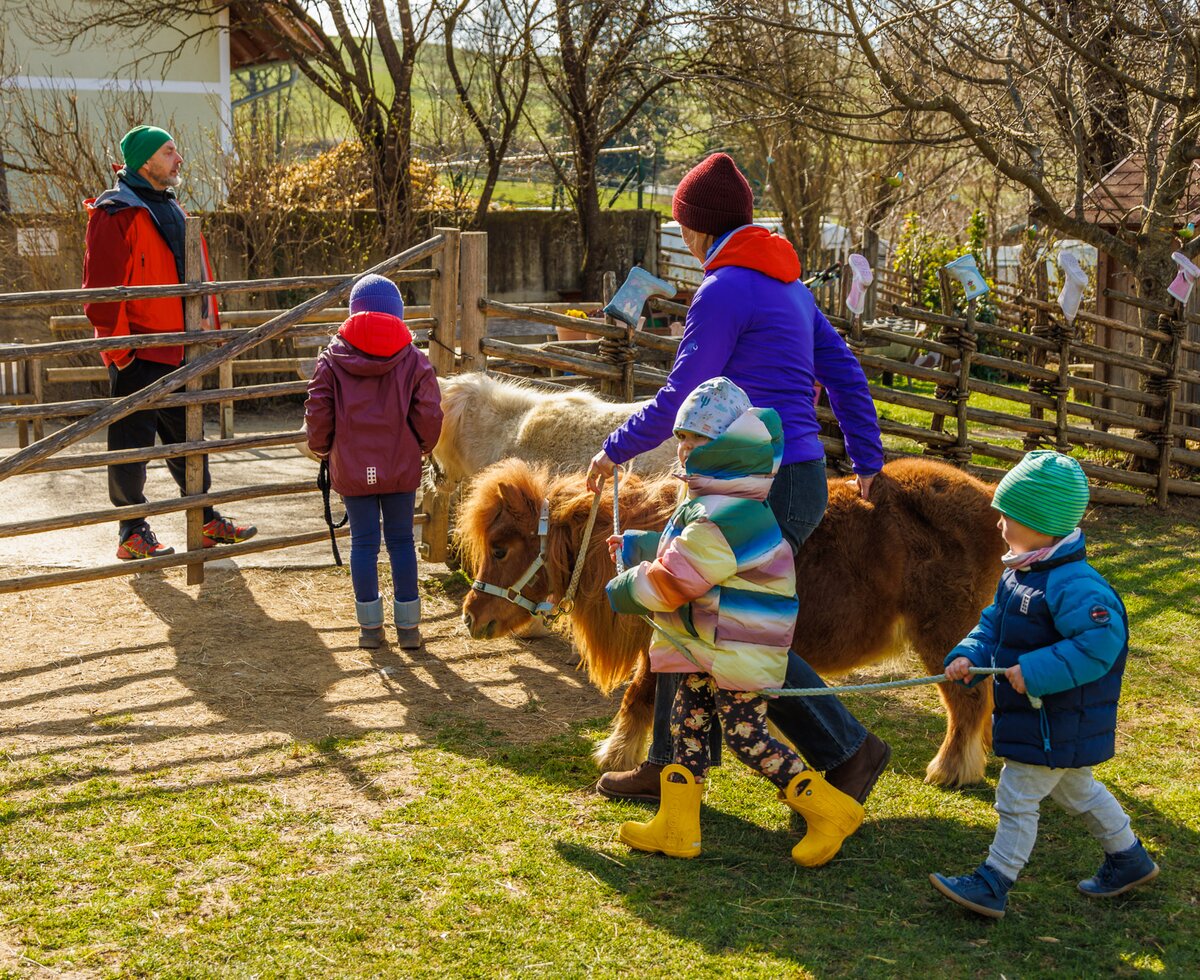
911, 569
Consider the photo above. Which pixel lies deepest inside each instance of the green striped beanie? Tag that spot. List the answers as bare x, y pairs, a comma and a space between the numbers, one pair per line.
1046, 491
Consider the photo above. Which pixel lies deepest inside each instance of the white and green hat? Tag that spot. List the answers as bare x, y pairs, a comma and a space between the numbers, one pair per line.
1046, 491
712, 408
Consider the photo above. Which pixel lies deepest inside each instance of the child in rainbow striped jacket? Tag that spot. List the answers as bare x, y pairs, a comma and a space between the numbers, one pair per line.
720, 583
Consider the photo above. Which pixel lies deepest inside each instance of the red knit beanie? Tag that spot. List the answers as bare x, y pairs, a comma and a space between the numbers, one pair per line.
713, 197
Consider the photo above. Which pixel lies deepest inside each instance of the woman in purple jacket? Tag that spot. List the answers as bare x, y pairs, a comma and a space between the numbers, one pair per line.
753, 321
374, 409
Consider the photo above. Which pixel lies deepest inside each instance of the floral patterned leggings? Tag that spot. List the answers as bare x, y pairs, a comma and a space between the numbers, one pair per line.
744, 718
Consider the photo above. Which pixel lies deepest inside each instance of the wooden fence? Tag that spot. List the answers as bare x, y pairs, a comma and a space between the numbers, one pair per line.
1046, 369
1023, 354
224, 346
1040, 370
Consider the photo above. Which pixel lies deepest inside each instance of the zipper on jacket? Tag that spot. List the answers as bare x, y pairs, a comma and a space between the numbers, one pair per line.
1003, 618
1043, 721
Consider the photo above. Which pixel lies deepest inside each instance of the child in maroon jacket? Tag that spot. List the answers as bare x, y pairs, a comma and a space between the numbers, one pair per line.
374, 409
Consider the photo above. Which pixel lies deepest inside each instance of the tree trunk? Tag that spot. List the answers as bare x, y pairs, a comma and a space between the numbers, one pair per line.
5, 203
390, 152
591, 233
485, 196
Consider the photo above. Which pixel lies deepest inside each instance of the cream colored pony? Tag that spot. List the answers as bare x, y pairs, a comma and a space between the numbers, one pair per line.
488, 419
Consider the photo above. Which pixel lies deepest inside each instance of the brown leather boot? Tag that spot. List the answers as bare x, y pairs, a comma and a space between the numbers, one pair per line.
857, 775
642, 783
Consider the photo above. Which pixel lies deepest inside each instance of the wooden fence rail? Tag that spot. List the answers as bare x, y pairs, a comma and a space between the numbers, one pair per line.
1143, 443
213, 351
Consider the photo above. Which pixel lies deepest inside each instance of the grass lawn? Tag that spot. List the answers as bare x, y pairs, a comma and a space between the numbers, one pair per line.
478, 852
528, 193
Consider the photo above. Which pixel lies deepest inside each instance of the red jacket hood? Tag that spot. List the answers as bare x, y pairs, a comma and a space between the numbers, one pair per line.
378, 334
752, 247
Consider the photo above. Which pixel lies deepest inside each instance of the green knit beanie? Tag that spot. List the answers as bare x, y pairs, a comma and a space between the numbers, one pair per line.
1046, 491
141, 143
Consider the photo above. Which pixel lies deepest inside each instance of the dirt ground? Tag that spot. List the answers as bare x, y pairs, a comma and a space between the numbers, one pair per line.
31, 496
234, 681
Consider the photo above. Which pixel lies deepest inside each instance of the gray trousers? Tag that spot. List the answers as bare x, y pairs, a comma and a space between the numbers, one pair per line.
1020, 791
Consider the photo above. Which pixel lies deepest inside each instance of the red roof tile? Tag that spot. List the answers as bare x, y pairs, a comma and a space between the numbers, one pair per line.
1117, 199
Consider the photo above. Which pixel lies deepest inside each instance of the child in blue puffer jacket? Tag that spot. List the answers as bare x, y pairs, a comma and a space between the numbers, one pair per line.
1062, 634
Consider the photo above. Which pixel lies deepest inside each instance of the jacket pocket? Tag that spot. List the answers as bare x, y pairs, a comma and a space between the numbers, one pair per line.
685, 617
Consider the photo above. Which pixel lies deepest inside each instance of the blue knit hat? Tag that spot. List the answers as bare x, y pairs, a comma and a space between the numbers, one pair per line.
376, 294
1046, 491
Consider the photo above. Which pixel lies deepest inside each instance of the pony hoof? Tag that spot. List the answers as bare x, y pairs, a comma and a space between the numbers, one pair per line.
939, 773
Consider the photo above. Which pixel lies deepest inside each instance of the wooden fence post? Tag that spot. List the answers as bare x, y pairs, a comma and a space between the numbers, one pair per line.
614, 389
472, 289
225, 409
1170, 355
1065, 334
938, 422
193, 306
443, 343
962, 336
36, 379
966, 346
855, 336
443, 305
871, 253
1041, 327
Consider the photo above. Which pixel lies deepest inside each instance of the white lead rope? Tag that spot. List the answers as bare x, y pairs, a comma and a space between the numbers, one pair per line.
798, 692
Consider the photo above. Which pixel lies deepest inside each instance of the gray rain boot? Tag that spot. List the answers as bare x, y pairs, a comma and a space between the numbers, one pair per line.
408, 619
370, 622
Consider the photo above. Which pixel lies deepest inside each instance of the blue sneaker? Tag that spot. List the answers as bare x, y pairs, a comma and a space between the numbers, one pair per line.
1120, 872
984, 891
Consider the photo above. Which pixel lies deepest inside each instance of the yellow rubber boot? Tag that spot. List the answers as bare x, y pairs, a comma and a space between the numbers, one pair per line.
831, 815
675, 829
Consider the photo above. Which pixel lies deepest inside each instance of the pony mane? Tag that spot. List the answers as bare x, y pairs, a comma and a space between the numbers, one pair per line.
609, 644
511, 484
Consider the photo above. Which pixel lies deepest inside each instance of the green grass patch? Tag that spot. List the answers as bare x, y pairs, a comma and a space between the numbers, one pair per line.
540, 194
502, 863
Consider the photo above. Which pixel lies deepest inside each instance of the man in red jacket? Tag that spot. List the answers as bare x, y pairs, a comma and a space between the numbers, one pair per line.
135, 236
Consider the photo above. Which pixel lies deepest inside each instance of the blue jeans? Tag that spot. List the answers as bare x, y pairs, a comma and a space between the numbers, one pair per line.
397, 512
821, 728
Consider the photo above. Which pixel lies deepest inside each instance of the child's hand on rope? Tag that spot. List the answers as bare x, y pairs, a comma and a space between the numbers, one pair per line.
614, 546
958, 669
1014, 676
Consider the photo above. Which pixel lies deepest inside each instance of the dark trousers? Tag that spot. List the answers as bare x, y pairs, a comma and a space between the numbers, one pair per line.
821, 728
396, 509
126, 481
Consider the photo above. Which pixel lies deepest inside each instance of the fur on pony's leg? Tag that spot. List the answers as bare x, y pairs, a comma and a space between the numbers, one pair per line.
962, 758
625, 747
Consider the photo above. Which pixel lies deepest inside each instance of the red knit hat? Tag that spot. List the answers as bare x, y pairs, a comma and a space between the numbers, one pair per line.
713, 197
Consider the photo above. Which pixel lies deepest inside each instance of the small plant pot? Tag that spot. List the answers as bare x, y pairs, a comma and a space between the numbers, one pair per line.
566, 333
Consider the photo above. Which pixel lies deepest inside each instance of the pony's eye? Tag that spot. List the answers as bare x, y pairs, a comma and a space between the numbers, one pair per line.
499, 553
